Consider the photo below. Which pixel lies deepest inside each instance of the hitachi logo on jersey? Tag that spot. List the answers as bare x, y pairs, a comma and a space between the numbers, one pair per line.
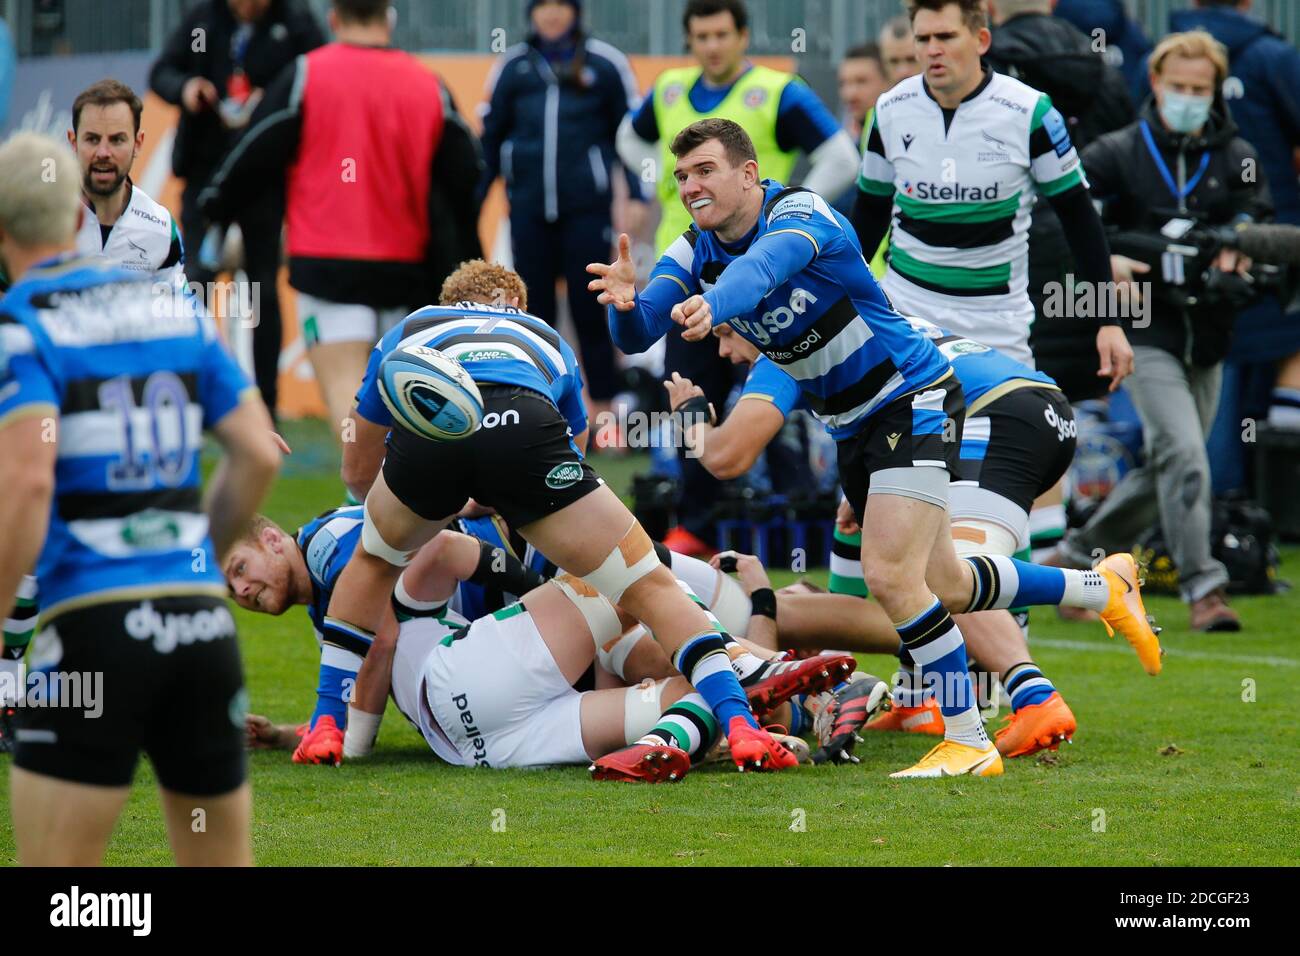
951, 192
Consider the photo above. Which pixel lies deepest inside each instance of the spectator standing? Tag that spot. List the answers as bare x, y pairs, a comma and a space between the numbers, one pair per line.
861, 77
379, 172
554, 104
783, 117
215, 66
1181, 159
1262, 374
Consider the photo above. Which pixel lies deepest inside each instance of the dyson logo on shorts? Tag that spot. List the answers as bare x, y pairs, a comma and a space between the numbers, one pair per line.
474, 735
168, 630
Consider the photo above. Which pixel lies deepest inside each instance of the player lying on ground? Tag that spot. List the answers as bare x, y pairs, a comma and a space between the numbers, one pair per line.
269, 571
498, 691
787, 272
529, 468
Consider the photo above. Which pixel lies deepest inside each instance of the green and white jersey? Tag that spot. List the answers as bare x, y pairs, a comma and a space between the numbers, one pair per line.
963, 186
144, 238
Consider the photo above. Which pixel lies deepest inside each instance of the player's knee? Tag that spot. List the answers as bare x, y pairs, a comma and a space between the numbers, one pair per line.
373, 543
623, 570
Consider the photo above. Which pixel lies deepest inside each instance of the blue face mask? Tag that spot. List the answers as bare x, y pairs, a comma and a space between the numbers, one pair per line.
1183, 113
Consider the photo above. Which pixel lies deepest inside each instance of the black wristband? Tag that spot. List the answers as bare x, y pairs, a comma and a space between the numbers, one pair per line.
694, 405
763, 601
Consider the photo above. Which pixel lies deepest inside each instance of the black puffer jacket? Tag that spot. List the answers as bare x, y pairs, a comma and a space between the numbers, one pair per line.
1052, 55
1126, 178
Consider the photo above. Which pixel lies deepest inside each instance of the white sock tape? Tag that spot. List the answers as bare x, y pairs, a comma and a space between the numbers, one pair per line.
359, 738
642, 709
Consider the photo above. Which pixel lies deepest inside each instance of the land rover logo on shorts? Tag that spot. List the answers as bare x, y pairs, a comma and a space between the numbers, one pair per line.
562, 476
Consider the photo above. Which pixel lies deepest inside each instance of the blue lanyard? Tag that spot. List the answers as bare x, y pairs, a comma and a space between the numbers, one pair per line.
1164, 169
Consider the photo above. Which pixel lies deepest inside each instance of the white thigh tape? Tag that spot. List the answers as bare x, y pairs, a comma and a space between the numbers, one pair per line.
628, 563
599, 614
642, 709
974, 536
373, 543
613, 654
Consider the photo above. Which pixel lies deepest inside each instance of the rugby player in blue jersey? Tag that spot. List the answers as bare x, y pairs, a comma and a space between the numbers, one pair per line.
526, 462
787, 272
105, 391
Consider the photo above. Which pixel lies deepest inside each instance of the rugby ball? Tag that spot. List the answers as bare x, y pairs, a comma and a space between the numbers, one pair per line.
430, 393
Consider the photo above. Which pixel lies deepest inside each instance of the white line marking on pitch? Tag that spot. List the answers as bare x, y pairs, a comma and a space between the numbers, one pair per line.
1173, 652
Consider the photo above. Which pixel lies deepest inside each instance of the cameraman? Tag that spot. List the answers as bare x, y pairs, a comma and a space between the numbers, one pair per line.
1181, 160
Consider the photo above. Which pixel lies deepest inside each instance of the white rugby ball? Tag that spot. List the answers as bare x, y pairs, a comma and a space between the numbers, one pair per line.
430, 393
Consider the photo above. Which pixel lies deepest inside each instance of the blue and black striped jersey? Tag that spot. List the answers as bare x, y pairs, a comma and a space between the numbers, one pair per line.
130, 373
496, 344
797, 287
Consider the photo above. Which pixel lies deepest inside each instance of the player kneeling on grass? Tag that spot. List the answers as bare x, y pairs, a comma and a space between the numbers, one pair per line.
529, 467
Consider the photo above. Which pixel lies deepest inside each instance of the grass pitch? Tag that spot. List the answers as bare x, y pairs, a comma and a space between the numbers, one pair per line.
1195, 767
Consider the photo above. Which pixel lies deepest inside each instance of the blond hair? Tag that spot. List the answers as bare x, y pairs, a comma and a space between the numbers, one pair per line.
40, 190
1192, 45
486, 282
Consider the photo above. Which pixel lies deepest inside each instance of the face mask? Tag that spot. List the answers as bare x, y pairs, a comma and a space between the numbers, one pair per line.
1183, 113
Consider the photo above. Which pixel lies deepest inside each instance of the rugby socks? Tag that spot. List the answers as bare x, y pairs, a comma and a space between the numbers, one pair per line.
846, 565
343, 648
704, 662
688, 724
1021, 614
1284, 412
498, 568
909, 690
19, 627
1002, 582
1026, 685
935, 644
1046, 529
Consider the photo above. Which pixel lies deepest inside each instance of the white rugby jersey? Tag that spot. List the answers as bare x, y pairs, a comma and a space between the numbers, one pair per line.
963, 190
144, 238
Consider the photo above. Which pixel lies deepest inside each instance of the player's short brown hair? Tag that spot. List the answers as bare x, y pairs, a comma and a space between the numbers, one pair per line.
106, 93
251, 534
735, 141
481, 281
974, 13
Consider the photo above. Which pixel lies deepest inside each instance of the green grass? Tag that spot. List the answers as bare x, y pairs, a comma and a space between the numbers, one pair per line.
1227, 795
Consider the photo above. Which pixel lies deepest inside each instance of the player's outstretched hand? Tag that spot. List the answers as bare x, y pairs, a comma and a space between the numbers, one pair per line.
696, 316
261, 734
616, 282
680, 389
750, 570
